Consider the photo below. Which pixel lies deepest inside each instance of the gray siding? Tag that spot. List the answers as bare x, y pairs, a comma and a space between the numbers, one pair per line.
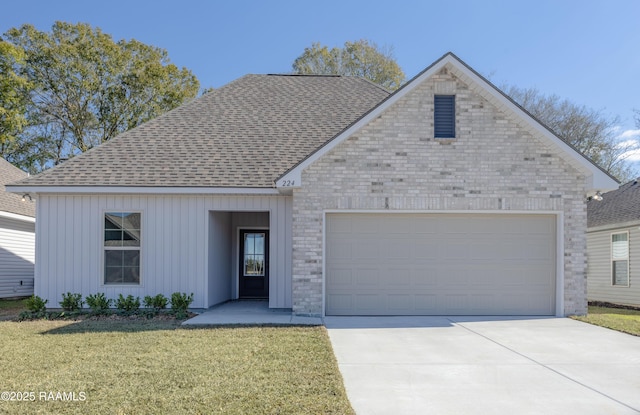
220, 281
599, 286
180, 243
17, 257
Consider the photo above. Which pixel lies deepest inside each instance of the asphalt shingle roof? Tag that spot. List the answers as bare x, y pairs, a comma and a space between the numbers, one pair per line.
245, 134
618, 206
10, 202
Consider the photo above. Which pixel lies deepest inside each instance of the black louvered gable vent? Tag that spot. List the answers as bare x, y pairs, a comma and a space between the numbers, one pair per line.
444, 116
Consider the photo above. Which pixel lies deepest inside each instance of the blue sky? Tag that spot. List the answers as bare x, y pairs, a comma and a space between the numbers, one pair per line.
585, 50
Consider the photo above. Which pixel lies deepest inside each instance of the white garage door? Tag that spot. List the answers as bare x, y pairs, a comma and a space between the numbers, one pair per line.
440, 264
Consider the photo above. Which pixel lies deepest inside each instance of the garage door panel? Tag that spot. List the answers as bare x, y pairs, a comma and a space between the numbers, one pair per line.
406, 264
424, 277
398, 248
341, 278
340, 250
365, 250
424, 248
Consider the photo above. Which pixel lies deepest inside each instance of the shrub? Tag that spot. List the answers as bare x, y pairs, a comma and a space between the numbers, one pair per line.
71, 302
98, 302
36, 304
158, 302
180, 303
128, 303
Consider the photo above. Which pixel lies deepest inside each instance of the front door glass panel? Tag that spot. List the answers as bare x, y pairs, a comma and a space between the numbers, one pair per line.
254, 254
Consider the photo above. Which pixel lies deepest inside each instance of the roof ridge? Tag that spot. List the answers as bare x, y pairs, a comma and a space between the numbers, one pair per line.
306, 75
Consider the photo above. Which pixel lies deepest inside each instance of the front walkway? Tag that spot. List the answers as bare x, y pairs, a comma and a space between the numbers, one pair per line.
249, 313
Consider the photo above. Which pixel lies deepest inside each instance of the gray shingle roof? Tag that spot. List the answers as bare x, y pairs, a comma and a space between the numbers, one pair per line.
245, 134
616, 207
10, 202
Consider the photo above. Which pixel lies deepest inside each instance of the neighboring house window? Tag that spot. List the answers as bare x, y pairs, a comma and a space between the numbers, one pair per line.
122, 247
444, 116
620, 258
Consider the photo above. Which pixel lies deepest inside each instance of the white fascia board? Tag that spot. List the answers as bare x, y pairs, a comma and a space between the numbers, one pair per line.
142, 190
15, 216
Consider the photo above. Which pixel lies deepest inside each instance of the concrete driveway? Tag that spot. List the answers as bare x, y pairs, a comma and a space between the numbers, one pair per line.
480, 365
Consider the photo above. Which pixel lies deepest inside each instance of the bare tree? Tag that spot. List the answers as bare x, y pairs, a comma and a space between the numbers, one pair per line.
590, 131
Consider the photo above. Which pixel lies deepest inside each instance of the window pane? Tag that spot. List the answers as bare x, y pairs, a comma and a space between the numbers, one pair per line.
113, 275
122, 266
111, 222
254, 253
113, 258
131, 258
122, 227
112, 238
131, 275
131, 221
620, 273
133, 242
619, 246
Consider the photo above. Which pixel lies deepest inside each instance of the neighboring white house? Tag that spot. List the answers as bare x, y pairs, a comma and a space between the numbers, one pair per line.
613, 246
330, 196
17, 236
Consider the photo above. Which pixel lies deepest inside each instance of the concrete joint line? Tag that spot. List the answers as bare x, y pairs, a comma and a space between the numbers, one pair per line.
543, 365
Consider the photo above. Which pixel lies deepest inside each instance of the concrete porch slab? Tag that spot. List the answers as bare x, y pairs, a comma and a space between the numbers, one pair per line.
249, 313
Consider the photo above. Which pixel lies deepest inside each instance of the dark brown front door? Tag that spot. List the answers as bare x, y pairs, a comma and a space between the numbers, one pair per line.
254, 263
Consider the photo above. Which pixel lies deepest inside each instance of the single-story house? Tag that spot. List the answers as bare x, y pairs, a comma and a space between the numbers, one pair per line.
613, 251
17, 236
330, 196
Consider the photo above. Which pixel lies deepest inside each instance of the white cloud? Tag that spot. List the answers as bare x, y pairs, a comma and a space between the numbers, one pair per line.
630, 139
630, 134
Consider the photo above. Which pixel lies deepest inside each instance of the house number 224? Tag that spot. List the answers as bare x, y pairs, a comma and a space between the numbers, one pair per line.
287, 183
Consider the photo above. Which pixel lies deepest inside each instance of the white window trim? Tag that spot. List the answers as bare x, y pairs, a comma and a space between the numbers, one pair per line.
120, 248
613, 284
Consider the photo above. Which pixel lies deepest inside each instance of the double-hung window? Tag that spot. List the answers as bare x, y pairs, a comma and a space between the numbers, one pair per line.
620, 258
122, 247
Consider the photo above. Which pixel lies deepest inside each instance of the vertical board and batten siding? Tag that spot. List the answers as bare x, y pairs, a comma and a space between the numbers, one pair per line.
174, 250
599, 279
17, 257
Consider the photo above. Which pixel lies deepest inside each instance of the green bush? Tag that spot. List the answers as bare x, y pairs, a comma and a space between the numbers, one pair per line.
36, 304
71, 302
180, 303
98, 302
128, 303
157, 303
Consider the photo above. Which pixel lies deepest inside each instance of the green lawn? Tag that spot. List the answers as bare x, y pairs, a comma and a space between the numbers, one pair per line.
9, 309
140, 367
627, 321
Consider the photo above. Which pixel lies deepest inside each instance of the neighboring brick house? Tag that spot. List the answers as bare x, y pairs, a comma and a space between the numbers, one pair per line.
613, 251
17, 236
330, 196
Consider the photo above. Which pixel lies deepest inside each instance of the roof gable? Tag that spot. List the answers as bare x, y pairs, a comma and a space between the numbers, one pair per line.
597, 179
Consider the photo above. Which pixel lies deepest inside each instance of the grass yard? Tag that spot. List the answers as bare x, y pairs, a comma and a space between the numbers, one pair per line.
9, 309
627, 321
140, 367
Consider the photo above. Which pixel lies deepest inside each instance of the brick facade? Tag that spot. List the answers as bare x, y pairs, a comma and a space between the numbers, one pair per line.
395, 164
